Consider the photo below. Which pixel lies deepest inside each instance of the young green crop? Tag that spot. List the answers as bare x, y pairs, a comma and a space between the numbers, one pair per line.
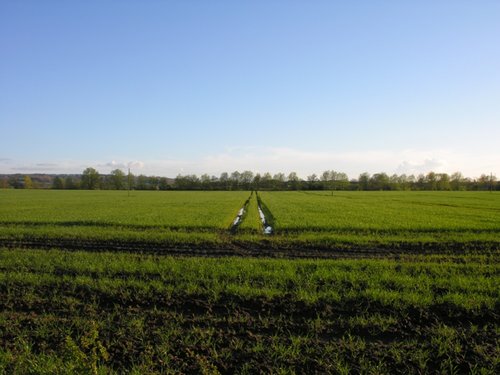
469, 285
390, 219
142, 209
385, 212
251, 221
176, 218
346, 221
77, 312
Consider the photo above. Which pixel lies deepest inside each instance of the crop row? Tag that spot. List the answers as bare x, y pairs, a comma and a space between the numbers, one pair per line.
415, 221
195, 210
384, 211
251, 221
82, 312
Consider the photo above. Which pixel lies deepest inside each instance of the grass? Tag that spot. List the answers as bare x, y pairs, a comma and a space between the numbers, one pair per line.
103, 312
391, 219
413, 221
142, 209
251, 222
384, 211
174, 218
65, 312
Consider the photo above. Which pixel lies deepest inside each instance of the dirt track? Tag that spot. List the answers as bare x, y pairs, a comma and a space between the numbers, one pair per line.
248, 250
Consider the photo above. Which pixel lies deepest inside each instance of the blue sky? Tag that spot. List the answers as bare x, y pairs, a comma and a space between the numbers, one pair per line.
197, 86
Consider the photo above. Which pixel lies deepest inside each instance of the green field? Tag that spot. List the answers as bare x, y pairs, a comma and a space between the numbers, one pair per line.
91, 282
388, 219
102, 313
172, 218
342, 221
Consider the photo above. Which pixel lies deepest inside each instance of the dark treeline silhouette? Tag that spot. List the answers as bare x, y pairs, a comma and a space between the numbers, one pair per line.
91, 179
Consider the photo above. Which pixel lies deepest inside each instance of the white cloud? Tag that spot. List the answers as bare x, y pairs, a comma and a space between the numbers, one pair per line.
435, 165
120, 165
135, 164
273, 160
353, 163
114, 165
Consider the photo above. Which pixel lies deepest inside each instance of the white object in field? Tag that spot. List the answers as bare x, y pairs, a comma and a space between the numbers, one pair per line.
262, 217
238, 217
267, 228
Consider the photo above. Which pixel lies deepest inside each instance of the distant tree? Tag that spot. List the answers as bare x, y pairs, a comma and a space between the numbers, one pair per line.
431, 181
70, 183
406, 182
214, 181
142, 182
28, 183
486, 182
457, 181
279, 181
403, 182
493, 180
246, 179
326, 176
394, 182
341, 181
380, 181
188, 182
153, 182
15, 182
293, 181
312, 181
411, 181
205, 181
163, 184
364, 181
4, 183
421, 182
256, 181
443, 182
266, 181
90, 179
224, 181
328, 180
117, 179
235, 180
353, 184
312, 178
57, 183
105, 183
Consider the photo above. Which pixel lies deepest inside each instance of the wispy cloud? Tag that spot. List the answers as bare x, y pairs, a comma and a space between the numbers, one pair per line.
280, 159
355, 162
62, 167
48, 165
135, 164
113, 165
35, 169
435, 165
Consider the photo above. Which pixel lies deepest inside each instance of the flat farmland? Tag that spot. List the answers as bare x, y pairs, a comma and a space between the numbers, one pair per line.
176, 209
454, 220
104, 282
304, 224
79, 312
170, 218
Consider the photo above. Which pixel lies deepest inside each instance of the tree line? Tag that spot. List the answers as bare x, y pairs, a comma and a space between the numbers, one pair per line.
91, 179
333, 180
